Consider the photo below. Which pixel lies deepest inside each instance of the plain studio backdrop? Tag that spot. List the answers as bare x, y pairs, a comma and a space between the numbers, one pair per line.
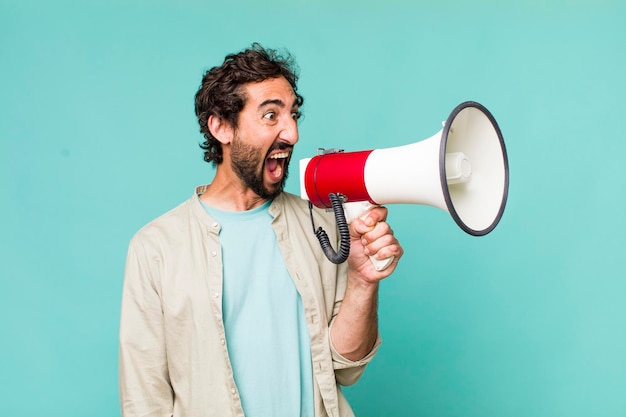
98, 136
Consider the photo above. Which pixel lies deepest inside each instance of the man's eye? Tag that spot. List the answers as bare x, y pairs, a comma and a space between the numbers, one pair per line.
296, 115
270, 115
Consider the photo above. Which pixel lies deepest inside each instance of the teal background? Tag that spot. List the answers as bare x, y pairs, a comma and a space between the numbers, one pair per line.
98, 136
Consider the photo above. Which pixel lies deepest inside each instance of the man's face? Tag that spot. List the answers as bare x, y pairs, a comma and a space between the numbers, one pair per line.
266, 133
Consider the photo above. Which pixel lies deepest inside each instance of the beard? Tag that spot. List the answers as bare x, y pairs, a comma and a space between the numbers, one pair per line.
248, 162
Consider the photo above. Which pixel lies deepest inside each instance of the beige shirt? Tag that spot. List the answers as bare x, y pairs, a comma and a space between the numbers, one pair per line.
173, 355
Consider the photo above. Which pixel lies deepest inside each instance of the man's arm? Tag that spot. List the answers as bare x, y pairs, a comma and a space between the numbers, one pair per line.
143, 375
355, 329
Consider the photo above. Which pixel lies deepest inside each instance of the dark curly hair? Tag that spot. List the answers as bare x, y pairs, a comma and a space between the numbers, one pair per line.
221, 92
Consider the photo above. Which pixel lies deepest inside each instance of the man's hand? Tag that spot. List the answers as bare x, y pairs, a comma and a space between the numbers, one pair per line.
372, 236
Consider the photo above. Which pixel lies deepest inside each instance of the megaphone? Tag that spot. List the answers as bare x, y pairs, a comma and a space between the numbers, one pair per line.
463, 169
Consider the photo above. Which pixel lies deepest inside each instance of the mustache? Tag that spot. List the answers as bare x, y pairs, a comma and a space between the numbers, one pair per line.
280, 146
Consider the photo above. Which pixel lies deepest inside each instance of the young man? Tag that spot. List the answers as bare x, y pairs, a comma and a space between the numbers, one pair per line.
229, 305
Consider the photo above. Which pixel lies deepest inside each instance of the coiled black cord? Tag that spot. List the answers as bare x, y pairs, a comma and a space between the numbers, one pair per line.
342, 227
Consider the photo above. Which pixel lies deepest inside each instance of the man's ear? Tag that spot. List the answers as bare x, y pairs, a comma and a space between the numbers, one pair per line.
220, 129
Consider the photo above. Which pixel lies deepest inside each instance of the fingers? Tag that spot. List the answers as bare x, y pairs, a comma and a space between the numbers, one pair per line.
369, 222
376, 215
381, 242
373, 241
372, 236
376, 235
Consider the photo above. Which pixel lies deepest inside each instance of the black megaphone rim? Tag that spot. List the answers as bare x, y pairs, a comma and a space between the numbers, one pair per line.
442, 169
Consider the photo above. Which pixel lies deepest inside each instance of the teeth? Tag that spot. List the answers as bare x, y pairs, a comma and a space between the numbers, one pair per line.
280, 155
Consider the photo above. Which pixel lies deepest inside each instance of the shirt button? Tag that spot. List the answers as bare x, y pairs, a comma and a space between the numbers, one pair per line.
214, 254
223, 341
233, 390
216, 295
216, 225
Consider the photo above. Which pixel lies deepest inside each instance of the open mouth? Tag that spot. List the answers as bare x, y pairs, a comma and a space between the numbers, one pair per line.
276, 164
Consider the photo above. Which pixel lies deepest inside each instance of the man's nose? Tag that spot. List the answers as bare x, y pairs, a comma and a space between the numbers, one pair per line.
289, 132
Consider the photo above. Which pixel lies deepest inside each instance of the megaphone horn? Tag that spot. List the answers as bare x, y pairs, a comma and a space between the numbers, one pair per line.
463, 169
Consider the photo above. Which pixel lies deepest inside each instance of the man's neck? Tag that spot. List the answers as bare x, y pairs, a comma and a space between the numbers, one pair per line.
230, 194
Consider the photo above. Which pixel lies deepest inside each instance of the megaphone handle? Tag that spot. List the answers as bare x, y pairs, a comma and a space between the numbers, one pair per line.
360, 209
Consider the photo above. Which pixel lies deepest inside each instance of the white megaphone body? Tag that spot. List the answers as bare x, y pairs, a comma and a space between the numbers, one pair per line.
462, 169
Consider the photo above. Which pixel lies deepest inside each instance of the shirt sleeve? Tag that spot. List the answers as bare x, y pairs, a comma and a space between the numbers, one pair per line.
144, 384
347, 372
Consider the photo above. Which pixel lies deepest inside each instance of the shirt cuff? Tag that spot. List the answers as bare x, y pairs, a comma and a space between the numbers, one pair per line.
340, 362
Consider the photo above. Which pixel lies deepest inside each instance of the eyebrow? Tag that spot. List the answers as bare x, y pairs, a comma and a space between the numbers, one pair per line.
277, 102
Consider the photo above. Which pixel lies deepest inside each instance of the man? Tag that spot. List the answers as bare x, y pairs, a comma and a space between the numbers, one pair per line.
229, 306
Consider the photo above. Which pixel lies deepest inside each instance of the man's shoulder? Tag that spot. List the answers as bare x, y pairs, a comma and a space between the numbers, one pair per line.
168, 224
295, 205
292, 199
